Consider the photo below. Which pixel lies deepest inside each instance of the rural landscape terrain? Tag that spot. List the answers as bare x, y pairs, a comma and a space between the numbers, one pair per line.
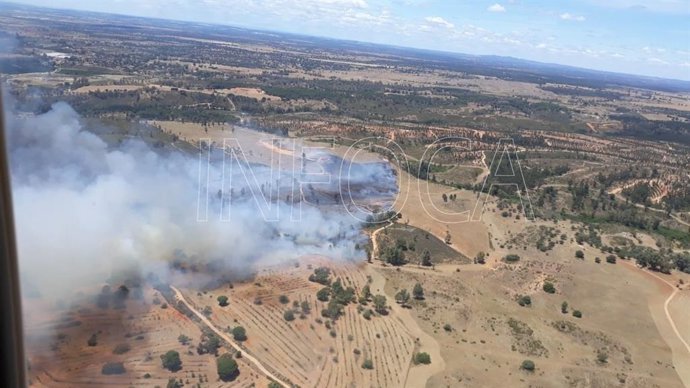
343, 214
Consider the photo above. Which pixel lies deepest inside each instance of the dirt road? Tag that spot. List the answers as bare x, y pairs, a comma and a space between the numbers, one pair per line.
245, 355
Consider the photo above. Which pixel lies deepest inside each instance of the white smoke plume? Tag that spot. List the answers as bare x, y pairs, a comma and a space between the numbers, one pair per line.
84, 209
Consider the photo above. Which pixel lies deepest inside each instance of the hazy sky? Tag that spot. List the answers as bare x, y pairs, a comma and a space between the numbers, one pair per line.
632, 36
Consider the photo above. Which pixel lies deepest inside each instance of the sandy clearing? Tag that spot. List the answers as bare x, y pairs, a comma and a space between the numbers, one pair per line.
254, 93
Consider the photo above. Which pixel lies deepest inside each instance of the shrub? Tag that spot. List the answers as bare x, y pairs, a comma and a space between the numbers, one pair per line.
171, 361
183, 339
597, 260
239, 334
528, 365
227, 367
525, 300
549, 287
368, 364
289, 315
172, 383
306, 308
323, 294
418, 291
121, 349
602, 357
426, 259
321, 275
210, 343
92, 341
367, 314
447, 327
422, 358
273, 384
577, 314
480, 258
283, 299
380, 304
579, 254
611, 259
511, 258
113, 368
402, 297
564, 307
222, 301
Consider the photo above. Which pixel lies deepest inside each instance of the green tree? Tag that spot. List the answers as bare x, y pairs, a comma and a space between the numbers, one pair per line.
368, 364
283, 299
579, 254
288, 315
222, 301
525, 300
332, 310
183, 339
528, 365
210, 343
321, 275
418, 291
426, 258
239, 334
393, 256
323, 294
549, 287
380, 304
171, 361
422, 358
306, 308
511, 258
113, 368
366, 292
402, 297
577, 313
227, 367
564, 307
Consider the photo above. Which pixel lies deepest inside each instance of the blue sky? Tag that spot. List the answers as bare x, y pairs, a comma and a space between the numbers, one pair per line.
631, 36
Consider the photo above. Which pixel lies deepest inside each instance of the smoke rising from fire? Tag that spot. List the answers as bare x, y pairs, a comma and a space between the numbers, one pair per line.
84, 209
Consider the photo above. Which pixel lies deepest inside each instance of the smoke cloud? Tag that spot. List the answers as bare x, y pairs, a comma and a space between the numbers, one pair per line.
84, 209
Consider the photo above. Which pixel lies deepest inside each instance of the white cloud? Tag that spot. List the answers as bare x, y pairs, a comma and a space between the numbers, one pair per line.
569, 16
439, 21
342, 3
657, 60
496, 8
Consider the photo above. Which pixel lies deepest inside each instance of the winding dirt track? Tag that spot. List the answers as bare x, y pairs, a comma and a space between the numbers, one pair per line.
247, 356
